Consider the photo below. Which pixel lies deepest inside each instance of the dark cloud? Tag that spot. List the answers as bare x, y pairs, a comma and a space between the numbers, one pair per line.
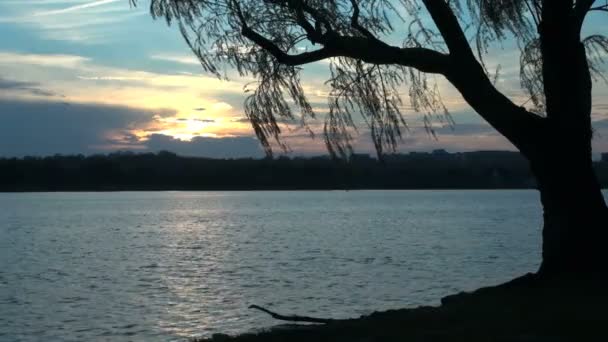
30, 87
237, 147
127, 138
42, 92
243, 120
49, 127
200, 109
11, 84
600, 125
286, 121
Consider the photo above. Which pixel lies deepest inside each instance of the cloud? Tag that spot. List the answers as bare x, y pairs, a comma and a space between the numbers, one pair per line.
83, 80
286, 121
49, 127
76, 7
9, 84
196, 120
180, 59
85, 22
110, 78
29, 87
84, 69
241, 120
230, 147
48, 60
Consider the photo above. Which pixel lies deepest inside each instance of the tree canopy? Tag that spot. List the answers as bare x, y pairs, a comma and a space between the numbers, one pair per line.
375, 50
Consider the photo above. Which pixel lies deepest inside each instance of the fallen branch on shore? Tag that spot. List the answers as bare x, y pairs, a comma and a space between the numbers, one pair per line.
293, 318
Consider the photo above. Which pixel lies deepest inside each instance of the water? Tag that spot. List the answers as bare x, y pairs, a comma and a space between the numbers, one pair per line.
160, 266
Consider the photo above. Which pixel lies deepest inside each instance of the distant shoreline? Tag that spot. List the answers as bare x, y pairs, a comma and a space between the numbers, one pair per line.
165, 171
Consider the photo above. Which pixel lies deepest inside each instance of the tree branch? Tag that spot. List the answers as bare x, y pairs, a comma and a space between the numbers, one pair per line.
283, 57
460, 67
355, 21
580, 11
293, 318
471, 80
313, 33
317, 16
451, 31
300, 9
517, 124
365, 49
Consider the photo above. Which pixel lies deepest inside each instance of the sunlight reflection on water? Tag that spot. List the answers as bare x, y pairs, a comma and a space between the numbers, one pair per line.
171, 265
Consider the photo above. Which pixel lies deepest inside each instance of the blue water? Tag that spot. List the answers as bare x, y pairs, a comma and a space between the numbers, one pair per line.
160, 266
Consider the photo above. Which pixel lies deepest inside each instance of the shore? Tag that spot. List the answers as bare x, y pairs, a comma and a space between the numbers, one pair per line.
517, 311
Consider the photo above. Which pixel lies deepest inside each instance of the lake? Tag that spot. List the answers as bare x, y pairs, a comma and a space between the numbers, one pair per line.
159, 266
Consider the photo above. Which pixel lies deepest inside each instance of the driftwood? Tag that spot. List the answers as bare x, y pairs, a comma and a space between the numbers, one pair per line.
293, 318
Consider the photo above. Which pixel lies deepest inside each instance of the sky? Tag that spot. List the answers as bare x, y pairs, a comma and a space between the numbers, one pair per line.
96, 76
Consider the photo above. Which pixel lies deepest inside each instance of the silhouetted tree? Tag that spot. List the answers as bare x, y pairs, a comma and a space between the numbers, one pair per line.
270, 39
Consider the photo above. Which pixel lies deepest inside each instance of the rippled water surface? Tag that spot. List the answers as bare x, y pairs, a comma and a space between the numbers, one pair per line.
172, 265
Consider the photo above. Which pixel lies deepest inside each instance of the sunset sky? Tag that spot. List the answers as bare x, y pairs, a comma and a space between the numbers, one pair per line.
84, 76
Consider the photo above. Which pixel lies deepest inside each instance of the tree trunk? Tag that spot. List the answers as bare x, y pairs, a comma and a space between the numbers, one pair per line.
575, 214
574, 211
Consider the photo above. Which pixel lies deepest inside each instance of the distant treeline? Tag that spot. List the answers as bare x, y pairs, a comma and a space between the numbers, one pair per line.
167, 171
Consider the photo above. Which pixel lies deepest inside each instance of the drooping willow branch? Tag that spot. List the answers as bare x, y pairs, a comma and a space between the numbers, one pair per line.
385, 45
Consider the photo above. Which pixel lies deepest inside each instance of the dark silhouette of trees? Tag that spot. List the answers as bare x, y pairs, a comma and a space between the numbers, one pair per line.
167, 171
371, 56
